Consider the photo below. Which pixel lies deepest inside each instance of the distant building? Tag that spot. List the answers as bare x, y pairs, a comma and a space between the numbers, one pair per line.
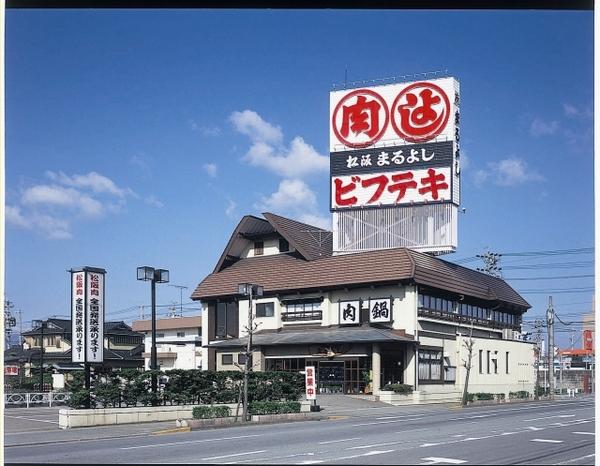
122, 347
178, 342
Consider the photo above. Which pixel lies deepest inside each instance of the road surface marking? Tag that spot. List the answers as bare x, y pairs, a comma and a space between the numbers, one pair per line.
459, 435
508, 433
341, 440
311, 462
584, 433
235, 454
30, 419
386, 422
429, 445
545, 440
575, 460
377, 452
535, 428
399, 417
361, 447
436, 460
549, 417
189, 441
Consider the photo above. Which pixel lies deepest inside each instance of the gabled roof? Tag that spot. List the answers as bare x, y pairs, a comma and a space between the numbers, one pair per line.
284, 273
63, 326
310, 241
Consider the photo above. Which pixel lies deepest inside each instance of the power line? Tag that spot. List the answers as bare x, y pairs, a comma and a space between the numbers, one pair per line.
551, 278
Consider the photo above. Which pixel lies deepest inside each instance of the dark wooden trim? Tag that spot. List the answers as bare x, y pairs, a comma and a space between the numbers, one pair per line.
445, 336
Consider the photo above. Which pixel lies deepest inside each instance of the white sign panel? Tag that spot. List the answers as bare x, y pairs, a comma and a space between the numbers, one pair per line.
380, 310
77, 317
95, 317
391, 188
411, 112
311, 383
349, 312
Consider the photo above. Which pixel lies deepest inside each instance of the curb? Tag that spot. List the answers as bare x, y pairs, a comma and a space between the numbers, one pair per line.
171, 431
256, 423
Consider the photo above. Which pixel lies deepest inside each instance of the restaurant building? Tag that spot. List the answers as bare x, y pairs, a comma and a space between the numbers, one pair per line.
364, 319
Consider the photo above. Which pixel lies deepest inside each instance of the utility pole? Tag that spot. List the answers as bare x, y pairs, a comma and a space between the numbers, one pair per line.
538, 338
560, 370
491, 264
550, 324
181, 288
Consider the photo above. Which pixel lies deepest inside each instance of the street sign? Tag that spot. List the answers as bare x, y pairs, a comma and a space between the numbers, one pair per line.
311, 384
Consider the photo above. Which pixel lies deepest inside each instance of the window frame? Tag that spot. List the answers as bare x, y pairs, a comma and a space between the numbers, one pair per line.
264, 307
259, 250
228, 356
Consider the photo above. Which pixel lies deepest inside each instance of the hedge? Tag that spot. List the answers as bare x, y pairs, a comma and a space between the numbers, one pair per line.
521, 394
176, 387
401, 388
209, 412
274, 407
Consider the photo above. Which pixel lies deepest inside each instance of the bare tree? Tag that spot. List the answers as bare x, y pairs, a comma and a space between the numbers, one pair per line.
466, 363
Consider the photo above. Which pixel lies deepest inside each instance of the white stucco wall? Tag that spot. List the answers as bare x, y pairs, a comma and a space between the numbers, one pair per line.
188, 355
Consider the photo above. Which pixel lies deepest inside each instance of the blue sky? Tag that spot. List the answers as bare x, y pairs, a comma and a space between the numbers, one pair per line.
141, 137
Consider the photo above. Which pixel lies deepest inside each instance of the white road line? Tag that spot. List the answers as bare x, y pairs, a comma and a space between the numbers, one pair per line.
311, 462
407, 416
30, 419
231, 456
385, 422
508, 433
436, 460
575, 460
535, 428
424, 445
549, 417
362, 447
377, 452
545, 440
370, 453
584, 433
341, 440
189, 441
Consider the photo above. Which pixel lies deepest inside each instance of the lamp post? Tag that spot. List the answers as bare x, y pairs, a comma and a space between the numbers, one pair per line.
250, 290
154, 276
41, 324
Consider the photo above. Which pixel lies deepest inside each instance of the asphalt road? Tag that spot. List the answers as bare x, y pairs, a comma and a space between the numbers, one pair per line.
559, 432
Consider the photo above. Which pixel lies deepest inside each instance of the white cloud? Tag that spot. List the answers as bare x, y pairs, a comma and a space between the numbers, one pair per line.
141, 164
300, 159
13, 215
153, 201
465, 161
291, 194
540, 127
211, 169
570, 110
316, 220
251, 124
49, 226
511, 172
94, 181
231, 209
507, 172
64, 197
205, 130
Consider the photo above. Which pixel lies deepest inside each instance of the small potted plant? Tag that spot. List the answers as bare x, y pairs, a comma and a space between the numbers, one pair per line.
366, 376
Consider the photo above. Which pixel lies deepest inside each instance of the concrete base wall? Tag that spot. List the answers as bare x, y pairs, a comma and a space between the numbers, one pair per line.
420, 397
68, 418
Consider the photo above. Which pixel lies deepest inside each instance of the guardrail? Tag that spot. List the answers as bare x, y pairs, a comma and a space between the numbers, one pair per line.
28, 399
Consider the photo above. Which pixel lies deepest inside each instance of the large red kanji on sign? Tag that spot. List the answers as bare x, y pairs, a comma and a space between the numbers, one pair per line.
360, 118
420, 112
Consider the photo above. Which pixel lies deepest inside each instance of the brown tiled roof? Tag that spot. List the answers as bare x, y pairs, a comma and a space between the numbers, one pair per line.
310, 241
284, 273
168, 324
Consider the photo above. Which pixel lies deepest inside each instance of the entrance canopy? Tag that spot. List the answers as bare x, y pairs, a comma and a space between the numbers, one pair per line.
319, 336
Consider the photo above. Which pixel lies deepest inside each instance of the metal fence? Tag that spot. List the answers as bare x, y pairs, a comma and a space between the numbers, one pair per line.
28, 399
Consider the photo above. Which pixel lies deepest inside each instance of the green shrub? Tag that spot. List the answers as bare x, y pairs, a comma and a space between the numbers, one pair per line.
400, 388
274, 407
500, 396
521, 394
470, 397
210, 412
484, 396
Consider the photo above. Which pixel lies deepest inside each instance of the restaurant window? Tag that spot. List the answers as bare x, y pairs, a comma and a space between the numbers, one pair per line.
430, 365
259, 248
488, 362
481, 361
160, 335
284, 245
495, 362
265, 310
226, 320
507, 362
227, 359
241, 359
298, 310
180, 334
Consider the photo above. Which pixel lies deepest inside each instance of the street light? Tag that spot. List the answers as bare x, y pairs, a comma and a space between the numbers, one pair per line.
40, 323
154, 276
250, 290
